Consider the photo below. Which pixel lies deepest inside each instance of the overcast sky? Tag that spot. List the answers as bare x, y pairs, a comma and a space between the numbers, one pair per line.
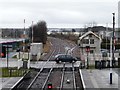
57, 13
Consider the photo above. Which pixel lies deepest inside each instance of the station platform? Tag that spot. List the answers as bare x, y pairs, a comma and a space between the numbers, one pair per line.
99, 79
9, 83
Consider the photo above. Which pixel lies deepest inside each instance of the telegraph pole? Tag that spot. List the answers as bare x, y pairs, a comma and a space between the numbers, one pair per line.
113, 37
32, 31
24, 36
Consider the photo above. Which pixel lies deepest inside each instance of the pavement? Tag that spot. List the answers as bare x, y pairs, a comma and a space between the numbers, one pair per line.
8, 83
99, 79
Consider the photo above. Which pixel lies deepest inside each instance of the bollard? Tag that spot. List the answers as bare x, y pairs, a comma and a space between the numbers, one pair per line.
110, 78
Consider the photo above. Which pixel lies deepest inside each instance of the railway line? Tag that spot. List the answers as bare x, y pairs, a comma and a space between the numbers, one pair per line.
39, 74
59, 76
66, 78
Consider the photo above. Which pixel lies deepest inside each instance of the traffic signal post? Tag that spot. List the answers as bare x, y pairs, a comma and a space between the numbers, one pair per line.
5, 52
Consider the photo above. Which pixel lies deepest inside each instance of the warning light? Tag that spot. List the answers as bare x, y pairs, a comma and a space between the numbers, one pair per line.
3, 53
50, 86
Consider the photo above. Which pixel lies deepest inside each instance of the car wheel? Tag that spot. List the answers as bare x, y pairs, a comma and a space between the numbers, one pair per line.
57, 61
71, 61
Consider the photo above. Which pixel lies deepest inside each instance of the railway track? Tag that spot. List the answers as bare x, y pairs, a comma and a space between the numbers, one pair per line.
40, 81
43, 75
68, 78
34, 74
60, 76
41, 78
57, 76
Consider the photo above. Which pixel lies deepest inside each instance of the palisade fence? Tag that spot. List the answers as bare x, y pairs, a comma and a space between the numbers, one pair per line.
14, 72
103, 60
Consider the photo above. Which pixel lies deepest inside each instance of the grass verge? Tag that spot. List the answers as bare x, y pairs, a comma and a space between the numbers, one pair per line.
47, 47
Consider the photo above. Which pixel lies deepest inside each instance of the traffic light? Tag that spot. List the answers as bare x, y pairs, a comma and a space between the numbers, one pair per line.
3, 53
50, 86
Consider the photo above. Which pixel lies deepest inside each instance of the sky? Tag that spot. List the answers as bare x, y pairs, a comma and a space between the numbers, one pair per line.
57, 13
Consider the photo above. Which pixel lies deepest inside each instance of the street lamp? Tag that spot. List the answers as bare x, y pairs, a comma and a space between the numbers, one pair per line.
112, 60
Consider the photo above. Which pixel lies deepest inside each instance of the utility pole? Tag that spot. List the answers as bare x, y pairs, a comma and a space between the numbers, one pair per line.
32, 31
24, 40
113, 37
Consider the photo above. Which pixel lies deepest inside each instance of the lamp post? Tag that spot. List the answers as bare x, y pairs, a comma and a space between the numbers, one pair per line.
112, 60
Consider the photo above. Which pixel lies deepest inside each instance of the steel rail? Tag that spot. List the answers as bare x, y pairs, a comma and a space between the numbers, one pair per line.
74, 82
39, 71
62, 79
47, 77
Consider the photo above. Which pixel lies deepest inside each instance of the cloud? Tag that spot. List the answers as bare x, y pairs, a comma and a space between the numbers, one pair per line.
60, 12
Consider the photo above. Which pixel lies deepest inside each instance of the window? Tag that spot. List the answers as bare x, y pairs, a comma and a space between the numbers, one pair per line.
90, 35
91, 41
91, 51
85, 41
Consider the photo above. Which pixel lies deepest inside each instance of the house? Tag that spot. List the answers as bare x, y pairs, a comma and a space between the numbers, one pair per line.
94, 42
90, 39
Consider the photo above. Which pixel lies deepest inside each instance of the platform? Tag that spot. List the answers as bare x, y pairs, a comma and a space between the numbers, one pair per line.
99, 79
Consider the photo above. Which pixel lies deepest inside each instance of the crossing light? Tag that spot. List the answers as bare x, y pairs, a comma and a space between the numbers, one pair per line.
3, 53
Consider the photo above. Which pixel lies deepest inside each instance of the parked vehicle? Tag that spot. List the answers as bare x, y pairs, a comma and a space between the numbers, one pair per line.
65, 58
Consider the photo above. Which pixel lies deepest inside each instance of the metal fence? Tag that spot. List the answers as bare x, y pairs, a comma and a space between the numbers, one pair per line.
13, 72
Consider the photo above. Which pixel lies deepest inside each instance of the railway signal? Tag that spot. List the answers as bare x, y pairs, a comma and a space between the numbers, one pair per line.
50, 86
3, 53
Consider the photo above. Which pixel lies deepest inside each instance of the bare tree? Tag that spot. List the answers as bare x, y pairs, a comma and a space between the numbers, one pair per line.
39, 32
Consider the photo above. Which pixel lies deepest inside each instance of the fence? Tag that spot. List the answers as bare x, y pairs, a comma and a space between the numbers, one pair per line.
13, 72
